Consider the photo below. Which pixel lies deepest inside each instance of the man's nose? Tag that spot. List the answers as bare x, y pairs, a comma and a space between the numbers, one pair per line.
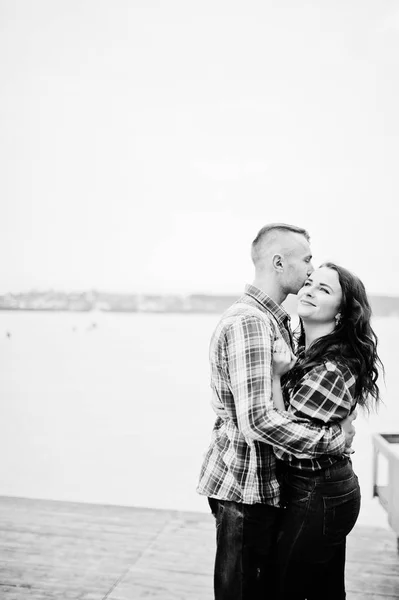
310, 269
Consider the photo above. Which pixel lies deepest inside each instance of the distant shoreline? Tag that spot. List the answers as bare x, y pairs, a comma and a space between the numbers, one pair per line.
53, 301
113, 311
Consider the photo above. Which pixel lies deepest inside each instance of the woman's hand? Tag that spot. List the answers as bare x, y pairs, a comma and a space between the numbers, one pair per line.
283, 358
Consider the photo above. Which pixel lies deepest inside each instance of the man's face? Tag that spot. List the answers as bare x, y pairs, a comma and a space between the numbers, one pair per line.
298, 264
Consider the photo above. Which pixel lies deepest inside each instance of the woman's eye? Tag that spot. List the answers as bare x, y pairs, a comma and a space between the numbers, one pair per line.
324, 290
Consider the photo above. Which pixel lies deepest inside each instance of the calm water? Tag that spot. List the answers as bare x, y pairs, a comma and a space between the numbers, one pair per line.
114, 408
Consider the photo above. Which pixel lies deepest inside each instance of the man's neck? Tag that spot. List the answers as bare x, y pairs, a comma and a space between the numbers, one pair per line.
314, 331
270, 288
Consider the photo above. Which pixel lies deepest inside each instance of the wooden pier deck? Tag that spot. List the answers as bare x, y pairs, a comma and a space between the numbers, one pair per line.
73, 551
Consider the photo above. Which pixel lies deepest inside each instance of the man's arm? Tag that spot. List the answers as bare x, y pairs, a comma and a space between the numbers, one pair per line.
248, 351
324, 397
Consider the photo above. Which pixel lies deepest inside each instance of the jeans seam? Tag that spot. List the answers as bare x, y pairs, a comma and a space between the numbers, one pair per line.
304, 520
242, 552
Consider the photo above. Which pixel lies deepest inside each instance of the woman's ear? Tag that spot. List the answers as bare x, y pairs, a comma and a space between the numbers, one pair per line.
277, 262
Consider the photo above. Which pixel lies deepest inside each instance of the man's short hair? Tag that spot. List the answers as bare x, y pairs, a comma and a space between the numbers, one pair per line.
267, 232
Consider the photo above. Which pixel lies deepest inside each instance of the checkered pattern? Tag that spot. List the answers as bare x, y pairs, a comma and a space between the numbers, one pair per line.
324, 394
240, 464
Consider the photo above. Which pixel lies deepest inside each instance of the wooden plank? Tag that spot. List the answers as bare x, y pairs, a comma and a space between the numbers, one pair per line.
12, 593
367, 596
72, 551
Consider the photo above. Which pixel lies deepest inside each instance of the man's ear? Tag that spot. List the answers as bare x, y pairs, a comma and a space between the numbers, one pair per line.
277, 261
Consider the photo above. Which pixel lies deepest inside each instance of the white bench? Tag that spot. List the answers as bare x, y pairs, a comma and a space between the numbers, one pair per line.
387, 445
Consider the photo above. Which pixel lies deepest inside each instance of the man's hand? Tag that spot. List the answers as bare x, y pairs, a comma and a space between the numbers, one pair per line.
349, 431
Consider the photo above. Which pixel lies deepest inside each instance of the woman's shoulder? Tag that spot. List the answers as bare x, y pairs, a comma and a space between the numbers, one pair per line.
330, 367
340, 370
324, 367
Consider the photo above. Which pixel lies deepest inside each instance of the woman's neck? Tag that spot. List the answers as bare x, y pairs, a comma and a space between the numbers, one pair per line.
314, 331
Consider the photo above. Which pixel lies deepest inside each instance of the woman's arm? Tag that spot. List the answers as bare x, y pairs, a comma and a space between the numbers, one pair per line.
323, 395
283, 361
248, 362
278, 399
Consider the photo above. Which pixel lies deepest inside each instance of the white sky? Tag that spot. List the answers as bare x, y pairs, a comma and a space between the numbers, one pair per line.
144, 143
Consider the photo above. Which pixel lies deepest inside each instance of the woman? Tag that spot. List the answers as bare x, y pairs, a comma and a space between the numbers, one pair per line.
337, 368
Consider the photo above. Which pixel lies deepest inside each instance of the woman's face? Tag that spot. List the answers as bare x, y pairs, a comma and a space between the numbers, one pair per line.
320, 298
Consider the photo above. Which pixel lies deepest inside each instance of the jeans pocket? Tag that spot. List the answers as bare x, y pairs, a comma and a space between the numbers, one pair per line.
340, 514
296, 490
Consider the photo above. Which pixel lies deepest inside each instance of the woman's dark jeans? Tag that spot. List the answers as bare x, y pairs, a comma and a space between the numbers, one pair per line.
245, 563
321, 509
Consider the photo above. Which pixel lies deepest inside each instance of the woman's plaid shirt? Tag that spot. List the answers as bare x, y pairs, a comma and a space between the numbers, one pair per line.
240, 464
325, 394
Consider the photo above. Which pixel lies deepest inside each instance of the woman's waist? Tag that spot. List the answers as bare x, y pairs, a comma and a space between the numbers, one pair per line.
341, 468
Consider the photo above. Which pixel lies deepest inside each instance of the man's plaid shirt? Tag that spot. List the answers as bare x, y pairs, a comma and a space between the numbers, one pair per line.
240, 464
325, 394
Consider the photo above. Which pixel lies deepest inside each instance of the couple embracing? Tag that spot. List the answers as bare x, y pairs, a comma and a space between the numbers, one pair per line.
278, 474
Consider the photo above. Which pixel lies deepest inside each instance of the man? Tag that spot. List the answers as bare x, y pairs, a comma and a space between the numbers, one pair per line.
239, 470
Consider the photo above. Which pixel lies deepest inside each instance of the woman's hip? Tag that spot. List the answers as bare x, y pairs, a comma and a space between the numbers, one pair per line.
336, 479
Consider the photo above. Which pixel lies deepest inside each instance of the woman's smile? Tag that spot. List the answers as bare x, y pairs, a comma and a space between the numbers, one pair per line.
303, 301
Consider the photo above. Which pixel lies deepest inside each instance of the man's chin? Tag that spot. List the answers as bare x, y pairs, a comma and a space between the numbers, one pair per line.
294, 291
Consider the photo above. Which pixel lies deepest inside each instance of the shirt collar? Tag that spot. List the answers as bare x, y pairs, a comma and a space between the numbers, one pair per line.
270, 305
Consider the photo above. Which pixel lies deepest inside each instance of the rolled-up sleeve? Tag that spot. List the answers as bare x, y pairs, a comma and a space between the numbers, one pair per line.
322, 396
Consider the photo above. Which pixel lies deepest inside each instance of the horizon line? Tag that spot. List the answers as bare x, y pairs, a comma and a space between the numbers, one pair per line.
154, 293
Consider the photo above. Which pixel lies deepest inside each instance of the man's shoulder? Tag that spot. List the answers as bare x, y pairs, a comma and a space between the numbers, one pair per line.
242, 312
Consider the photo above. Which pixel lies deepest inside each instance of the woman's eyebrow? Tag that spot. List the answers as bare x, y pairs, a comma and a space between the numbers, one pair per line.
326, 285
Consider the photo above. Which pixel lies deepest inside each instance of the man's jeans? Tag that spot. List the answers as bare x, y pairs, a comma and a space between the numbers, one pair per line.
321, 509
245, 565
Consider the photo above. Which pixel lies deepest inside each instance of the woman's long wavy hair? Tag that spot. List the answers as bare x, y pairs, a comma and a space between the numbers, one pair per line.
352, 342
